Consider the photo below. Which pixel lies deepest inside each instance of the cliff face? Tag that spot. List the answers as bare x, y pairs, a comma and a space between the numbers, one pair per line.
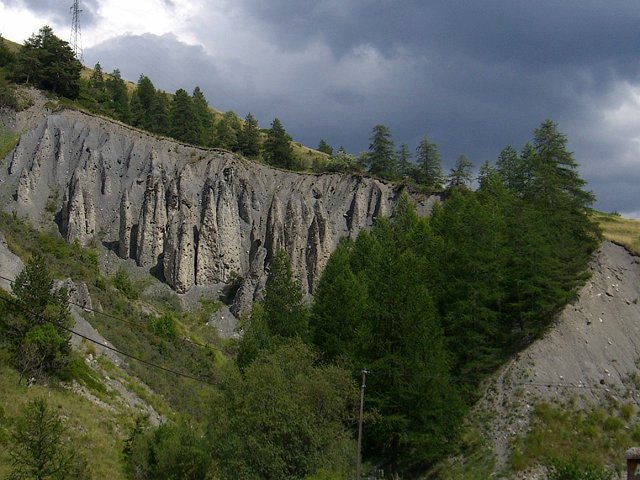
197, 217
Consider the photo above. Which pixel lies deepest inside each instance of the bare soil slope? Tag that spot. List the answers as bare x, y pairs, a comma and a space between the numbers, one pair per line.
591, 352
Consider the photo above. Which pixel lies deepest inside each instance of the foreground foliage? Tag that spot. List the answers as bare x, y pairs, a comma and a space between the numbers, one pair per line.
35, 326
41, 448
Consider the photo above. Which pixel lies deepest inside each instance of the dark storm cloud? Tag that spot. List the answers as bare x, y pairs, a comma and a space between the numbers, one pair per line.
58, 11
473, 76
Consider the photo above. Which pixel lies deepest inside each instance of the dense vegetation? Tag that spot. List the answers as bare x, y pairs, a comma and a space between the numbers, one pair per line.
431, 306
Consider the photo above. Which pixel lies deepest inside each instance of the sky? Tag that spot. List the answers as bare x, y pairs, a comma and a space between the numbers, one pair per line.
471, 76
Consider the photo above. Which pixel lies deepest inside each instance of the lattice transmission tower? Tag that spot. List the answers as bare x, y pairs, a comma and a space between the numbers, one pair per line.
76, 36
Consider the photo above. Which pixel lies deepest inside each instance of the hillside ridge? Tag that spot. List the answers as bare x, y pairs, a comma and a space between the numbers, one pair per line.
192, 216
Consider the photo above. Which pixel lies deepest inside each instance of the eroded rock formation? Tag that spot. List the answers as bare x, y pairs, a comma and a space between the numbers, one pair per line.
196, 217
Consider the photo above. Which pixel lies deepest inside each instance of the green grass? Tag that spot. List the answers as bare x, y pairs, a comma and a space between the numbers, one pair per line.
97, 432
476, 460
566, 434
132, 333
8, 142
620, 230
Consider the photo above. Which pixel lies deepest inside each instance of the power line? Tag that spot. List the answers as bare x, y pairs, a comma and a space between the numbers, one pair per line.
121, 352
129, 322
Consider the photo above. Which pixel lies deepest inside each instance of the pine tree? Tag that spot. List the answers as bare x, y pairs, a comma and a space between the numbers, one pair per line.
49, 63
403, 161
339, 307
204, 117
40, 447
324, 147
429, 171
39, 327
277, 147
96, 81
460, 176
142, 101
381, 155
184, 122
119, 97
227, 132
511, 168
284, 308
249, 138
161, 113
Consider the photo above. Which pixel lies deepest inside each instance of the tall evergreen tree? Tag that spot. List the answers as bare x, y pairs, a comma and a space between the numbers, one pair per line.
38, 328
184, 123
143, 104
460, 176
96, 81
403, 161
204, 117
161, 113
249, 137
381, 155
119, 97
284, 308
511, 169
227, 131
277, 147
429, 171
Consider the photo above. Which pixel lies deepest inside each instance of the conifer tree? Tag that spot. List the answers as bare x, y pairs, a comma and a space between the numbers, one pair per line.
184, 123
143, 104
284, 308
249, 137
381, 155
204, 118
39, 327
277, 147
511, 169
429, 171
96, 81
460, 176
403, 161
41, 449
324, 147
49, 63
119, 97
227, 132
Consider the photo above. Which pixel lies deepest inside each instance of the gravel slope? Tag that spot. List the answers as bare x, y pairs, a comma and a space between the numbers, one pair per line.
590, 353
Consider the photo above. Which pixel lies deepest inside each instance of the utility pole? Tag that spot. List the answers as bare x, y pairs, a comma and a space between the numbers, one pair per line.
76, 37
360, 419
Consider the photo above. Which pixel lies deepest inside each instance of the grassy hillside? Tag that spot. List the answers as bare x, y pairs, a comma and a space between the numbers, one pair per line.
620, 230
98, 425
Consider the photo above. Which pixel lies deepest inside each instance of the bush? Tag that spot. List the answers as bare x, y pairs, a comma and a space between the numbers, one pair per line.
171, 451
123, 283
577, 470
165, 327
41, 448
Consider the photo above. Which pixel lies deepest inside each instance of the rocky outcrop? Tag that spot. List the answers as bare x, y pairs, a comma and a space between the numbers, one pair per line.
192, 216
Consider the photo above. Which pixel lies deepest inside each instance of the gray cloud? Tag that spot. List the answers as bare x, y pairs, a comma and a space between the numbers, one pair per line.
58, 12
473, 76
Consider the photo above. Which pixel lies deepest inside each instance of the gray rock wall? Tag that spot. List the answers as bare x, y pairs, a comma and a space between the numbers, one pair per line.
197, 217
